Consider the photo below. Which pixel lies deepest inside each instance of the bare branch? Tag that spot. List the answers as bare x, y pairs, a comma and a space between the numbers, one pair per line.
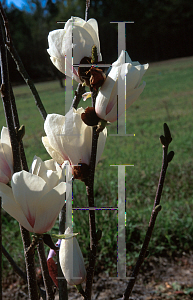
20, 66
87, 8
165, 140
46, 277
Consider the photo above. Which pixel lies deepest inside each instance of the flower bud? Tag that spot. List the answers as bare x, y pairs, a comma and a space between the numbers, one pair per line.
128, 74
71, 260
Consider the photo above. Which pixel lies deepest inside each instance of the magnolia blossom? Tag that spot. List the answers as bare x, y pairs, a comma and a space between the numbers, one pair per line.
6, 157
106, 101
85, 36
71, 260
69, 138
34, 201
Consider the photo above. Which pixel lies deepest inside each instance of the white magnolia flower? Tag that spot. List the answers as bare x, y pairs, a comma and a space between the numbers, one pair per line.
106, 101
71, 260
6, 157
85, 36
69, 138
34, 201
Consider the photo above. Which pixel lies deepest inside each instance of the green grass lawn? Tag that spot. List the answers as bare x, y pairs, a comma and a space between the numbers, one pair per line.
168, 97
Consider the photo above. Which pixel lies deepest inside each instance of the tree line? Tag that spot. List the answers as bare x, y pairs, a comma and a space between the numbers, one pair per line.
162, 29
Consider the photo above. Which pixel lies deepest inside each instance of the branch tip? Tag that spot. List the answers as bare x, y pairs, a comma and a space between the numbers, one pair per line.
167, 133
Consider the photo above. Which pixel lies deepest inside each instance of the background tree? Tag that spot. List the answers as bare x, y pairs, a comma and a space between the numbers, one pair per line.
161, 30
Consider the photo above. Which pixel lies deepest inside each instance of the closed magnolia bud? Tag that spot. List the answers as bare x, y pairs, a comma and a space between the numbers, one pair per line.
129, 75
71, 260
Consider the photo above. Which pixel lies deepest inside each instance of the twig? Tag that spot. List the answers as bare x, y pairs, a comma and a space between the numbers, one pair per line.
78, 95
20, 66
30, 265
90, 194
48, 283
18, 270
87, 8
62, 220
166, 140
5, 95
14, 265
80, 289
17, 125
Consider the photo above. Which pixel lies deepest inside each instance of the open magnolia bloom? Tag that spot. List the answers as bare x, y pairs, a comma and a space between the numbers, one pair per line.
34, 201
106, 101
51, 172
69, 138
6, 157
71, 260
85, 36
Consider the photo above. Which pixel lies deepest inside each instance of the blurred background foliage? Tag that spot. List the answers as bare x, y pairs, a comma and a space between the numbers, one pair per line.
162, 30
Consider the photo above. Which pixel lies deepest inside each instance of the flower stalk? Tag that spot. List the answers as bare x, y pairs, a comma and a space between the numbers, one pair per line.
92, 222
48, 283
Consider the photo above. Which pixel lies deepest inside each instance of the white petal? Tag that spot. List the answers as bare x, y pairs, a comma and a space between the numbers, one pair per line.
121, 59
95, 36
48, 208
5, 171
35, 166
54, 127
12, 207
49, 176
101, 144
104, 96
3, 177
51, 164
77, 146
28, 189
143, 69
52, 152
6, 145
